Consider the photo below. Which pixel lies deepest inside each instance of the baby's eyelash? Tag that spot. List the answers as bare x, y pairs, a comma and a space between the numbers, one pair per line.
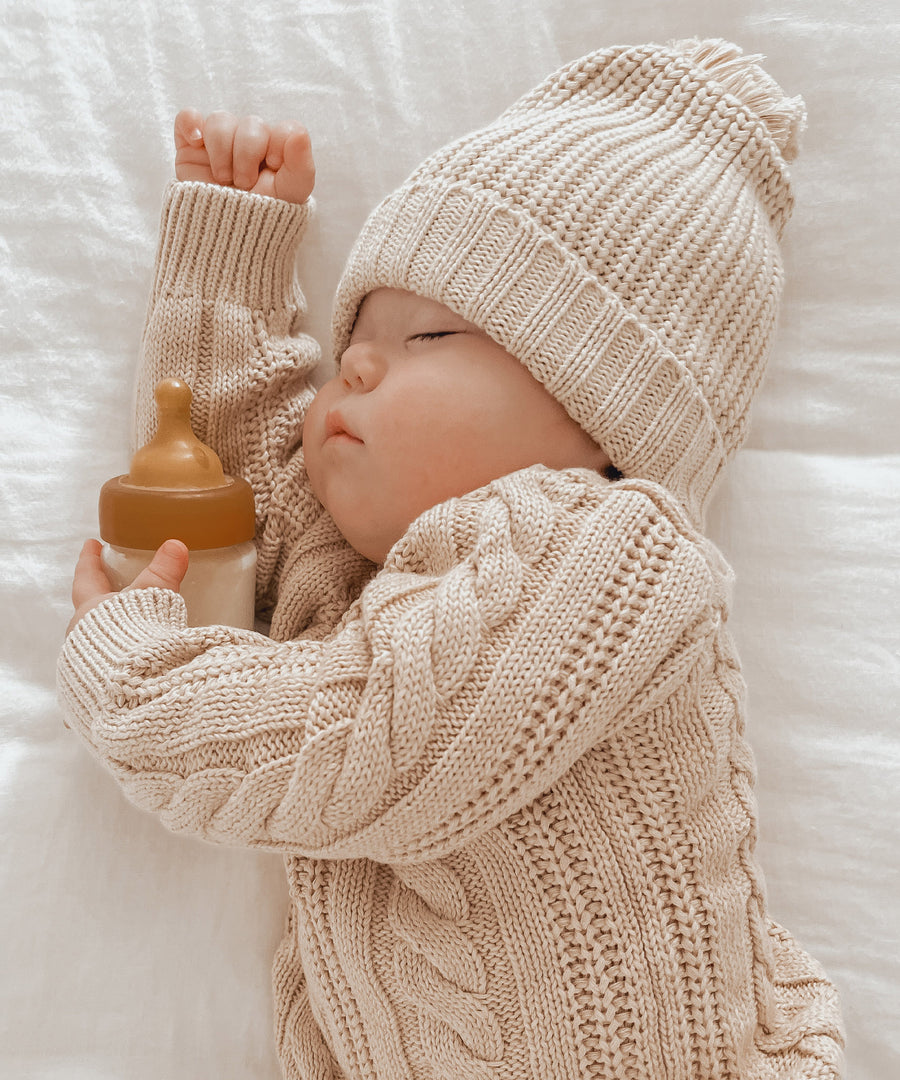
433, 336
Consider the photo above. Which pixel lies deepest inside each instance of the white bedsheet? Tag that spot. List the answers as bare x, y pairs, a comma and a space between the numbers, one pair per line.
132, 954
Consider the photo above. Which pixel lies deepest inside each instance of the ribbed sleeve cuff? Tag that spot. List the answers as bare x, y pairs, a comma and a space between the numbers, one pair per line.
222, 243
89, 670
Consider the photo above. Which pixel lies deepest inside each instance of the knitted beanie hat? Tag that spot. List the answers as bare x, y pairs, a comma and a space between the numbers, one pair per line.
617, 231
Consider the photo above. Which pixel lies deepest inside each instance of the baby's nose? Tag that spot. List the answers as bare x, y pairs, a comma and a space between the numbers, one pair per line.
362, 366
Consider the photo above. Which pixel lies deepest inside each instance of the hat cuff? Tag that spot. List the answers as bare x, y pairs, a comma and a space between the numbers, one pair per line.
498, 269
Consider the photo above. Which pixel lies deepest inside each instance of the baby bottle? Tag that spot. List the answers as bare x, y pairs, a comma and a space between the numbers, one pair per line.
176, 489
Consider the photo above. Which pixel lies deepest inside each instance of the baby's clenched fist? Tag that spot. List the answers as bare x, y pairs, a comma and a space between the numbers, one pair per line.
245, 152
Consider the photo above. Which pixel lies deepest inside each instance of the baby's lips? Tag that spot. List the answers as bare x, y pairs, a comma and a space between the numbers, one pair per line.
336, 425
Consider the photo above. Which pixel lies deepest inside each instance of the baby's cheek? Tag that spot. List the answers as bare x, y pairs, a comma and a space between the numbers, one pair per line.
313, 457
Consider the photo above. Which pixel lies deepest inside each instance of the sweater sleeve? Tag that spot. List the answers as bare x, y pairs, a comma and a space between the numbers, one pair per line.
224, 316
508, 632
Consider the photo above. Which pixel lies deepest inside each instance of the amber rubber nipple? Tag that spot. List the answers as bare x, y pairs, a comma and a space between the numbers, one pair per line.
175, 457
176, 487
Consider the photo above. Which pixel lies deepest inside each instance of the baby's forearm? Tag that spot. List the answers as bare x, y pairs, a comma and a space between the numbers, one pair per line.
399, 737
223, 303
222, 309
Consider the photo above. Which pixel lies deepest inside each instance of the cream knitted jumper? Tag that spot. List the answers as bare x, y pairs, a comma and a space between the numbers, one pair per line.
506, 771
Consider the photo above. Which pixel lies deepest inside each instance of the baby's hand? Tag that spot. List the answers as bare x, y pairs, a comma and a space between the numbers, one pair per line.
91, 585
246, 153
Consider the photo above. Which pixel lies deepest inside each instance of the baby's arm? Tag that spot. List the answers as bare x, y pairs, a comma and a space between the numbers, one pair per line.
513, 630
223, 316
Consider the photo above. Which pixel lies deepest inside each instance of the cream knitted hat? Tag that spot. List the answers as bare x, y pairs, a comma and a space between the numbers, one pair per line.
616, 230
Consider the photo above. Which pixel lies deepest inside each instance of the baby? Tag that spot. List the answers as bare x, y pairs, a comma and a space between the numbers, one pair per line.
497, 727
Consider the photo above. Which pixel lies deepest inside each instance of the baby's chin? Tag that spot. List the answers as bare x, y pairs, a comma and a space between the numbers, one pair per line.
356, 529
375, 549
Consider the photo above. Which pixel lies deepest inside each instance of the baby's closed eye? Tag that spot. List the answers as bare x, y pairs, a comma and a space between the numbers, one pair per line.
433, 335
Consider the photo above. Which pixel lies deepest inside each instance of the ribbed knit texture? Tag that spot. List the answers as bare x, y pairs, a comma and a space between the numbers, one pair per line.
222, 305
617, 231
507, 770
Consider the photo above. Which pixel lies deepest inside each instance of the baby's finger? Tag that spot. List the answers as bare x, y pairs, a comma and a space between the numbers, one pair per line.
295, 180
90, 580
188, 129
218, 136
278, 134
167, 568
251, 140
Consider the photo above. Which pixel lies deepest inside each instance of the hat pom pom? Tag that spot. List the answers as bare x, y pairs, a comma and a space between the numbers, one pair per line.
744, 78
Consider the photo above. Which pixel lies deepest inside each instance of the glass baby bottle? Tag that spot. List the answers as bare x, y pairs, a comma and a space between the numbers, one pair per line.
176, 488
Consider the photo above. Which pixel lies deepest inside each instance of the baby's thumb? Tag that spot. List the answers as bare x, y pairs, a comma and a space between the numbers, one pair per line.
167, 568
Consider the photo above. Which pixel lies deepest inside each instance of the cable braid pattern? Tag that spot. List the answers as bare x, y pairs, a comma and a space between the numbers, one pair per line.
441, 974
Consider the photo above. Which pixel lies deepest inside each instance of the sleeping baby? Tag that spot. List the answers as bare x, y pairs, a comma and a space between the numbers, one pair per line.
496, 725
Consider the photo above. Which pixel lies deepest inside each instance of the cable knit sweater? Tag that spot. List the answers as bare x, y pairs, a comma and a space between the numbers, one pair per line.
506, 770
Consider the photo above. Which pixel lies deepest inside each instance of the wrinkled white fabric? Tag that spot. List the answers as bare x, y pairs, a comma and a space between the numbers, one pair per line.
112, 966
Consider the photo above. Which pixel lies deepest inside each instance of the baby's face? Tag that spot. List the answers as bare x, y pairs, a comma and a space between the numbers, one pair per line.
426, 406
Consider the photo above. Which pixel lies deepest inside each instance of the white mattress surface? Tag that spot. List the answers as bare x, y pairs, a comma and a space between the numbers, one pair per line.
131, 954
